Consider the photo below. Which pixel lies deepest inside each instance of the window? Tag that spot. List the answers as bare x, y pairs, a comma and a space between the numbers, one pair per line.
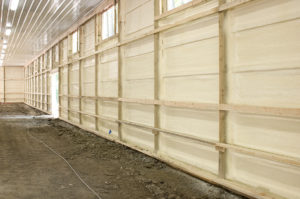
75, 42
109, 23
176, 3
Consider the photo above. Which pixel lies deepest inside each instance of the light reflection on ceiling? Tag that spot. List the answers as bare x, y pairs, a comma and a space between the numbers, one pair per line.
28, 26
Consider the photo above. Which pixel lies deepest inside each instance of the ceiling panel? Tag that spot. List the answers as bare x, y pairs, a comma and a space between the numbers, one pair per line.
36, 24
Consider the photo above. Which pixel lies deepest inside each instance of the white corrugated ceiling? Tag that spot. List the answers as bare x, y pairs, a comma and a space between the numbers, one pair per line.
35, 24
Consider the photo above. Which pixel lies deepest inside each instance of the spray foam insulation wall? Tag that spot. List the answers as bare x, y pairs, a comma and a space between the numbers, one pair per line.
263, 69
12, 84
161, 93
88, 72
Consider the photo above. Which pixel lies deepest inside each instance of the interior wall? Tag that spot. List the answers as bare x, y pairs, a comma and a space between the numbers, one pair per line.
11, 84
211, 87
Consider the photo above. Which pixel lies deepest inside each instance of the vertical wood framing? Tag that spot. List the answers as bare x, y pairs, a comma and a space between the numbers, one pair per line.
60, 70
164, 6
4, 84
96, 73
80, 35
69, 55
115, 16
156, 78
120, 92
98, 29
42, 81
222, 90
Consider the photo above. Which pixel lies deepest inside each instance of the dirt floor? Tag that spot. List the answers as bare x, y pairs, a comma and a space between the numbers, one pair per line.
29, 170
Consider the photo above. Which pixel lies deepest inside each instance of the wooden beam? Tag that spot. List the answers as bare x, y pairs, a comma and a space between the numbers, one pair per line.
258, 110
69, 45
222, 93
164, 6
17, 79
4, 84
120, 86
96, 25
262, 110
262, 154
156, 79
60, 74
81, 36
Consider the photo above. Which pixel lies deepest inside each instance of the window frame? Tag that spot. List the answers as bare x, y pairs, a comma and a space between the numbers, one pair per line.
115, 21
174, 7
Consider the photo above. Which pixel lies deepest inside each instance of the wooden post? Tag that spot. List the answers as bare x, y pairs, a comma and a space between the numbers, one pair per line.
222, 89
80, 34
164, 6
25, 85
4, 84
156, 78
120, 92
69, 57
30, 84
42, 82
96, 73
60, 75
33, 84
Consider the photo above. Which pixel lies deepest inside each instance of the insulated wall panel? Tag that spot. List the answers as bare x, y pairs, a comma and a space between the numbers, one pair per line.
88, 89
74, 91
107, 87
87, 44
190, 72
64, 92
264, 175
189, 65
64, 51
185, 150
263, 69
108, 109
138, 74
108, 73
88, 80
12, 84
135, 23
138, 77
